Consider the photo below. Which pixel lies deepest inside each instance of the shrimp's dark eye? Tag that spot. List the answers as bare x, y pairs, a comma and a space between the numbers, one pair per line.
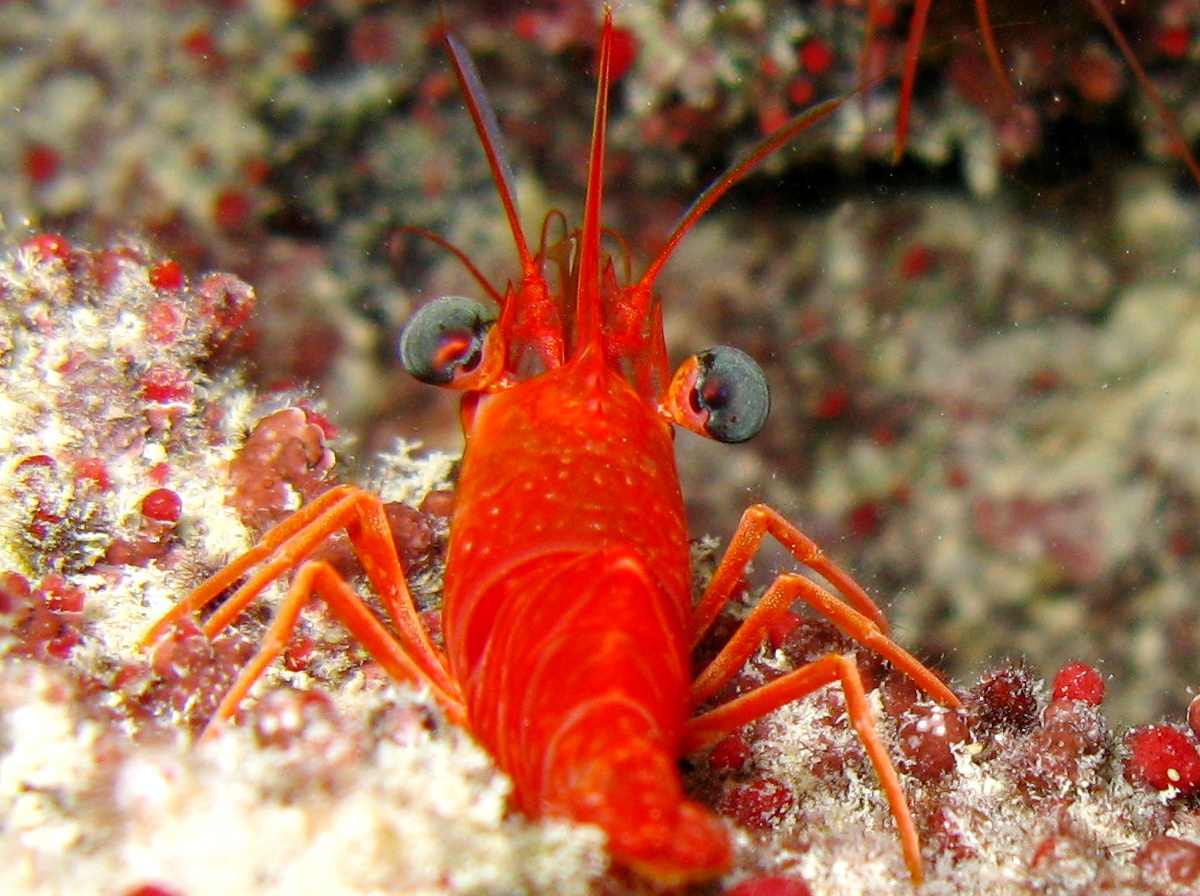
730, 393
444, 339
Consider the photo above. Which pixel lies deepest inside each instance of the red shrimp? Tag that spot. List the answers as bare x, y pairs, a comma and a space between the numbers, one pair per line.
568, 618
912, 54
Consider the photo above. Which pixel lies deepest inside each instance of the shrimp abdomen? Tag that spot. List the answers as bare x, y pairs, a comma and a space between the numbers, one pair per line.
581, 694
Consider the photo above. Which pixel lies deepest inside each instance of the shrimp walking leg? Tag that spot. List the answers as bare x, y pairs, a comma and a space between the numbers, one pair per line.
361, 515
853, 613
760, 520
786, 590
319, 579
706, 728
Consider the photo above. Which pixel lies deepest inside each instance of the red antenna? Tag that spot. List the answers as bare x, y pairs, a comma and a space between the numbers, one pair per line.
1164, 114
587, 296
489, 135
528, 316
640, 293
912, 53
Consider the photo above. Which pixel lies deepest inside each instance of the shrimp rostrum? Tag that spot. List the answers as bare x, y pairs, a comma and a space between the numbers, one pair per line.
568, 618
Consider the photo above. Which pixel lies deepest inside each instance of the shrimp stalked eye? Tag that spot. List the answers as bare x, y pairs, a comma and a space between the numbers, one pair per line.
445, 339
720, 393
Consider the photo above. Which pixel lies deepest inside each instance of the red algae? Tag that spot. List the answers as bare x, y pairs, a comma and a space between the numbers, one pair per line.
1079, 681
1004, 700
1165, 759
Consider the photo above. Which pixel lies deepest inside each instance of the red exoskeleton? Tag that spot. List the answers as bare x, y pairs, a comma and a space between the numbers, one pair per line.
568, 617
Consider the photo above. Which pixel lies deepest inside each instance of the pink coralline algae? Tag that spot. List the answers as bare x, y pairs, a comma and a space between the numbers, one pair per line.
123, 419
113, 381
283, 464
43, 618
136, 460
